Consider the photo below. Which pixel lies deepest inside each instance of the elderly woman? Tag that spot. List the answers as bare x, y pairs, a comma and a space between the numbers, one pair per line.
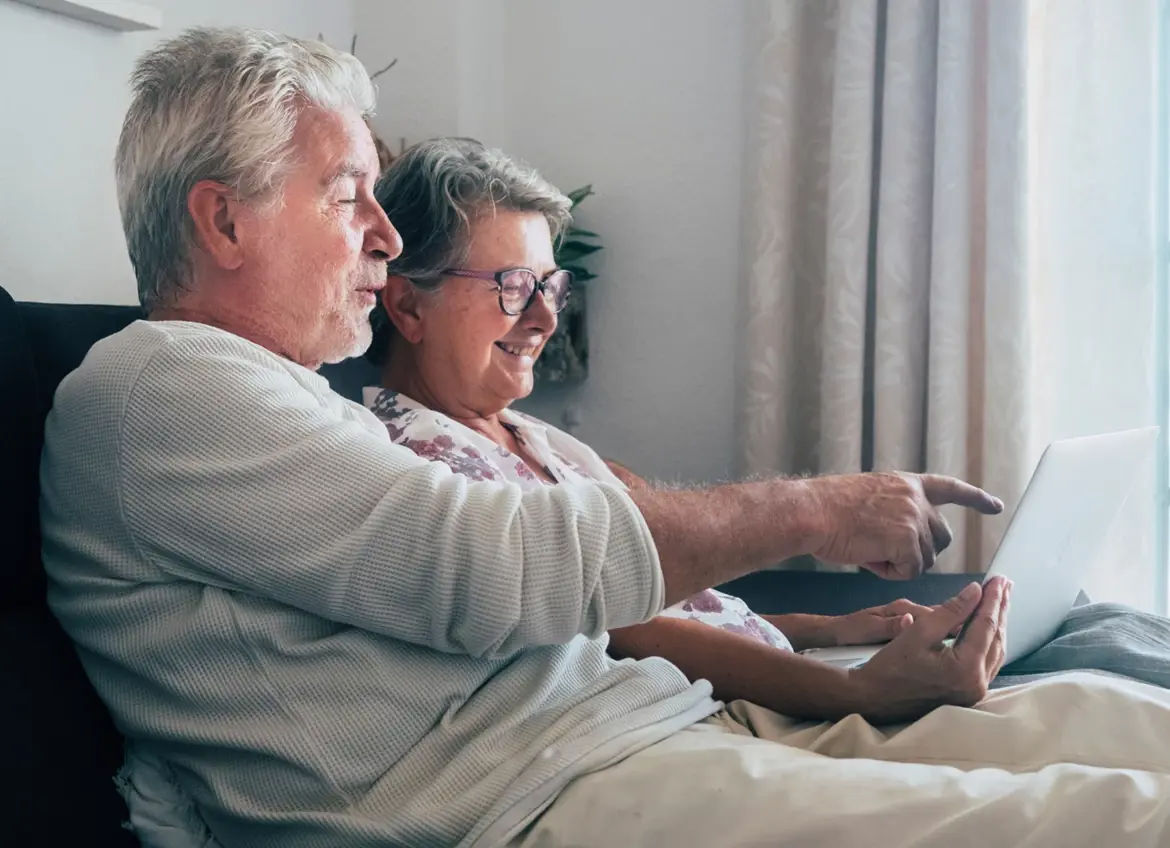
467, 310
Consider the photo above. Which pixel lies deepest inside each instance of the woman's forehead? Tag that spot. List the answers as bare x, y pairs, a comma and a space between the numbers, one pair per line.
511, 237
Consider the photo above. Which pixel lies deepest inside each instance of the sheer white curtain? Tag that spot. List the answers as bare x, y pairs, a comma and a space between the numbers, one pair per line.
949, 224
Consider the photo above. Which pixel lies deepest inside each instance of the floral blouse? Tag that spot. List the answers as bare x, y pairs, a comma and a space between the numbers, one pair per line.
433, 435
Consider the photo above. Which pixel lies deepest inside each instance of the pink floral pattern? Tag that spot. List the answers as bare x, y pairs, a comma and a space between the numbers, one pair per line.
436, 437
568, 463
441, 447
728, 612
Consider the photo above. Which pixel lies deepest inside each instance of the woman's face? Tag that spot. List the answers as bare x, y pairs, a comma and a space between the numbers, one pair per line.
472, 357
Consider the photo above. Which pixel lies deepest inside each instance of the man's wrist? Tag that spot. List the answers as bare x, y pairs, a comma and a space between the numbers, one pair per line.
800, 504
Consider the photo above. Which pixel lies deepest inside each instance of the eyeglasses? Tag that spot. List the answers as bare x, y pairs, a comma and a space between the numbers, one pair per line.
517, 287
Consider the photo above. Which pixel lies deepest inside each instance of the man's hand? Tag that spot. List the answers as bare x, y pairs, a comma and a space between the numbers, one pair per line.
916, 672
889, 522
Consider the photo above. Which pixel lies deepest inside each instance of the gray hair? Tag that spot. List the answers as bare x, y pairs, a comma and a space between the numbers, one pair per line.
222, 105
433, 193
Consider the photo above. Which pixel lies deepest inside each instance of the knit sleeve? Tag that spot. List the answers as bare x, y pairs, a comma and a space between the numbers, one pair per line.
234, 475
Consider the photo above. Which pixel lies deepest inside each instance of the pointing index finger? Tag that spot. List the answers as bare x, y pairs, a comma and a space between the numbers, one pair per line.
941, 490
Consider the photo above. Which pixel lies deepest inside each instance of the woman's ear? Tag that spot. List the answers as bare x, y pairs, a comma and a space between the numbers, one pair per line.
402, 301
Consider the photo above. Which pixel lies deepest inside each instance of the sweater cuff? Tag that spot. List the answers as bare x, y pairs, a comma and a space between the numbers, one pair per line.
634, 573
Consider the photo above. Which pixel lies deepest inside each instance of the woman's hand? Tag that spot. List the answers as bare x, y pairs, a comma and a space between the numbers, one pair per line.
916, 672
865, 627
874, 625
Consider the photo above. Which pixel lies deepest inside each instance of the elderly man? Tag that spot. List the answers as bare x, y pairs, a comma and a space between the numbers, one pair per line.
327, 640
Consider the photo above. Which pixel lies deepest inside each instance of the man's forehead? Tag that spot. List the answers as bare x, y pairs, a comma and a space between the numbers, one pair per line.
339, 143
346, 169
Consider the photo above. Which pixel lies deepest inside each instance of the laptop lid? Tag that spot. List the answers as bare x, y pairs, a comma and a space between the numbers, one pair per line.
1054, 537
1058, 529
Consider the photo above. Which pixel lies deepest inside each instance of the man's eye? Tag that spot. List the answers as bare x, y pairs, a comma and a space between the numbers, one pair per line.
349, 200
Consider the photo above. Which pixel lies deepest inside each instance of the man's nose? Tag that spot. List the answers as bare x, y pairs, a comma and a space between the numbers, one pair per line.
382, 239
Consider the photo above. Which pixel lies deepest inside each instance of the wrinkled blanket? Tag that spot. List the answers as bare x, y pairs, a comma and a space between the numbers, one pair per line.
1105, 638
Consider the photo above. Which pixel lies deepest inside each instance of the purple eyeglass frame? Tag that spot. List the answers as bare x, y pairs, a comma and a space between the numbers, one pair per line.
497, 277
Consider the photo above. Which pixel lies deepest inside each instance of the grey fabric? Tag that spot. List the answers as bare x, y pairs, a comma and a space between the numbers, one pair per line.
1107, 638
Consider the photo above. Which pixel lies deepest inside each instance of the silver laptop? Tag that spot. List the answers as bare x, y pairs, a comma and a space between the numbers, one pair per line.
1054, 538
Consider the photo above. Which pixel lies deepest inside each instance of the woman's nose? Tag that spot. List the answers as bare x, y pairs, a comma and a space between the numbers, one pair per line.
539, 314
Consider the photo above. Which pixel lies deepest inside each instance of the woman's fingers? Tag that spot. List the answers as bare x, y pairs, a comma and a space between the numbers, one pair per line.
902, 606
976, 642
1001, 633
933, 628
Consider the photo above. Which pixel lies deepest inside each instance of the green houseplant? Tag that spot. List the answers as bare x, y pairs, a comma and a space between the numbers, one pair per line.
565, 358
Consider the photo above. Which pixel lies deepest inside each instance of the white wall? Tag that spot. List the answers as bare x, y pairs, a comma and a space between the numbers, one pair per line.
644, 100
63, 92
641, 99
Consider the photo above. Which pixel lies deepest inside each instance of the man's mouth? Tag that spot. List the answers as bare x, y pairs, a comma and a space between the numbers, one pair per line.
518, 350
369, 294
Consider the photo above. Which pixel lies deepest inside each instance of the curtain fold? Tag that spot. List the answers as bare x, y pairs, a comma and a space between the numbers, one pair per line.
899, 307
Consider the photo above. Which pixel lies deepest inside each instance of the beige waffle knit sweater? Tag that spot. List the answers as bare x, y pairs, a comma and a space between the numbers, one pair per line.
332, 641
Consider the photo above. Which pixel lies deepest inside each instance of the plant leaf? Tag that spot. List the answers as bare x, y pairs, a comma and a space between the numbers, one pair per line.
580, 272
573, 250
577, 195
577, 232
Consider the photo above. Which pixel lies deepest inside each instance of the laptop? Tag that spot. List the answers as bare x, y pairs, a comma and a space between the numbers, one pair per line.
1054, 538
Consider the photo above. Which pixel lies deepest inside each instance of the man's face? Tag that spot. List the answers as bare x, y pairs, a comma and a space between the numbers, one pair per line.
318, 257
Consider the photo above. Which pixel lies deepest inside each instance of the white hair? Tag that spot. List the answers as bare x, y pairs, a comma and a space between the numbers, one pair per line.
222, 105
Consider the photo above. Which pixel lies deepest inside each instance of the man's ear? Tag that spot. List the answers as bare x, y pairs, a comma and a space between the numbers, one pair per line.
402, 302
215, 211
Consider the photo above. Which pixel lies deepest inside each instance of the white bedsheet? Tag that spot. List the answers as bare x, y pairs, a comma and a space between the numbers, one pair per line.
1078, 759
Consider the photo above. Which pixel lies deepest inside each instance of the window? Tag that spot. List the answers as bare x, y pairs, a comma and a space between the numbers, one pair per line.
1162, 317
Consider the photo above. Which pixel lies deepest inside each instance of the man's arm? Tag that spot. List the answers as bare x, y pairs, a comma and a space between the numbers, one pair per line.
886, 522
706, 537
715, 534
233, 475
